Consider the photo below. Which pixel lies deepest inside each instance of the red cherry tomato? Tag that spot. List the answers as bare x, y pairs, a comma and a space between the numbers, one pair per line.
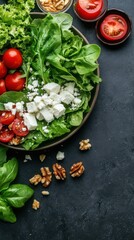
19, 128
6, 135
15, 81
113, 27
2, 86
6, 117
12, 58
89, 9
3, 70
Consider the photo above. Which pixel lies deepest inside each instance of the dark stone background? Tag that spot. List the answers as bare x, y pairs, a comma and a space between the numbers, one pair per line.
99, 205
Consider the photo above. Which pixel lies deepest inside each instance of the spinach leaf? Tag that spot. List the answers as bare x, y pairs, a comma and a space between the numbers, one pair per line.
12, 96
17, 194
6, 212
8, 173
3, 156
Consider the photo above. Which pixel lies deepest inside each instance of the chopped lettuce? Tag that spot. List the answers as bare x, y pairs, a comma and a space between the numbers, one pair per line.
14, 22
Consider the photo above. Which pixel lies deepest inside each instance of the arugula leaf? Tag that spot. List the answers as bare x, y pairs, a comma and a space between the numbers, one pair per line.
6, 212
3, 156
8, 173
17, 194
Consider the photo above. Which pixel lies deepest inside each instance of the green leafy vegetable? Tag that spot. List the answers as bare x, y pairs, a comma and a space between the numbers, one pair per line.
14, 195
6, 212
14, 23
12, 96
3, 156
17, 194
8, 173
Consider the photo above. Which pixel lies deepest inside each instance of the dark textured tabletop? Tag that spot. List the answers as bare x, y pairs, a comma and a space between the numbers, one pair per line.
100, 204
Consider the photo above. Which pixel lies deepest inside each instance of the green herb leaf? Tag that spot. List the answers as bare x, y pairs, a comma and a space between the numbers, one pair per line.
8, 173
6, 212
17, 194
12, 96
3, 156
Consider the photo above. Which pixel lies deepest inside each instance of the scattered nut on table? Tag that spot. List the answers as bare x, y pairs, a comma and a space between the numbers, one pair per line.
45, 193
46, 176
35, 179
85, 145
59, 172
77, 169
42, 157
54, 5
36, 204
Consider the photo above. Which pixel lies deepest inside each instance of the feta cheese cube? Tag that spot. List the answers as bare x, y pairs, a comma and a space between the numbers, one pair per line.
39, 116
37, 99
70, 87
52, 87
47, 114
19, 106
55, 98
60, 156
30, 121
31, 107
66, 97
58, 110
77, 101
41, 105
9, 106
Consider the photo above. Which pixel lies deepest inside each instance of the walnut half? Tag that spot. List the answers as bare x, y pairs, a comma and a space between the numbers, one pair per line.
77, 169
59, 172
46, 176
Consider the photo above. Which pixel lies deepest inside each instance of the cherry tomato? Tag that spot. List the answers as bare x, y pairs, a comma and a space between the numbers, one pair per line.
15, 81
12, 58
19, 128
3, 69
89, 9
6, 117
6, 135
2, 86
113, 27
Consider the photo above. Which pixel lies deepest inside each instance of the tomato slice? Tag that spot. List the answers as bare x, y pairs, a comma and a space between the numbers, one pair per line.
6, 135
113, 27
89, 9
19, 128
6, 117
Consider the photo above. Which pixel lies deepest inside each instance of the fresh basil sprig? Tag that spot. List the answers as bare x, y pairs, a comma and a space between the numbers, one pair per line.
11, 195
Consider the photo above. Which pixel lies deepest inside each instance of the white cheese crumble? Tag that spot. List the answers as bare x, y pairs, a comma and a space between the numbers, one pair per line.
60, 156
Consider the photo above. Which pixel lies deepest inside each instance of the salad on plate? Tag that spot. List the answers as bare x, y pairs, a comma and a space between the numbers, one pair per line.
49, 77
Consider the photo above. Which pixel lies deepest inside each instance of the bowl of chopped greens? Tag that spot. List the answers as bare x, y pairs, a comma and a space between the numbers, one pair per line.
58, 83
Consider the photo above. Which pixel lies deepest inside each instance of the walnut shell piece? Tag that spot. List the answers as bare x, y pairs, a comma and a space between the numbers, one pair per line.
77, 169
59, 172
85, 145
46, 176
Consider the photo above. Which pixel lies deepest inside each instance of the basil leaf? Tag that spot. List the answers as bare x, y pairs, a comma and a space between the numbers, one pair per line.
8, 173
6, 212
3, 155
17, 194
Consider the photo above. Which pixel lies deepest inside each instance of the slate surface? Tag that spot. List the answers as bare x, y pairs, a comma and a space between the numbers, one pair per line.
99, 205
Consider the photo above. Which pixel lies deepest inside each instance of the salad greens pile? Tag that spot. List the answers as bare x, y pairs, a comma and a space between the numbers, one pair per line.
11, 195
14, 22
52, 52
